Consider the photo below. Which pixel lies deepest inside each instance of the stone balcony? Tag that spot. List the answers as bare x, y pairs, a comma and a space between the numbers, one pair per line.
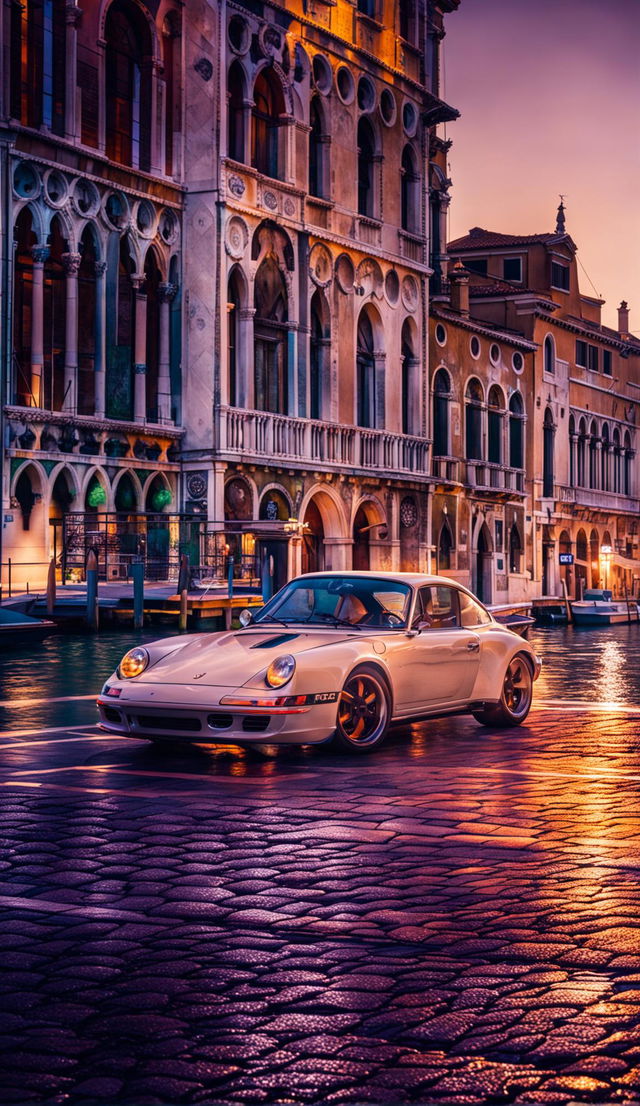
486, 477
596, 499
264, 437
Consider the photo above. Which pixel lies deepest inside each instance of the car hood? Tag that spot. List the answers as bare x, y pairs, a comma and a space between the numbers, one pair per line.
231, 659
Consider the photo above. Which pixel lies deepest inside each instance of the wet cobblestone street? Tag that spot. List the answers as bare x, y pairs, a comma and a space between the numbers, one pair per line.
453, 920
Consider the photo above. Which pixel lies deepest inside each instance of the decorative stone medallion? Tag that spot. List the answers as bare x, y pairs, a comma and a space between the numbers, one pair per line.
408, 513
236, 185
204, 67
196, 485
289, 207
236, 237
410, 292
270, 200
345, 274
320, 265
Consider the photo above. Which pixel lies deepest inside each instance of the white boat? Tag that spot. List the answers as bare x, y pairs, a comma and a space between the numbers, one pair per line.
598, 608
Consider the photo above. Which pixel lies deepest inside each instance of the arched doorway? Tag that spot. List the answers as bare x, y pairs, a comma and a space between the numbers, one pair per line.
564, 547
482, 581
313, 540
594, 556
275, 509
582, 560
445, 546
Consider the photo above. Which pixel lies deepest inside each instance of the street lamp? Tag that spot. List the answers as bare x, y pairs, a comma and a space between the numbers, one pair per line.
605, 559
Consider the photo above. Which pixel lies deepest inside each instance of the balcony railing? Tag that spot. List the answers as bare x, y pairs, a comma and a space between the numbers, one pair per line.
411, 246
263, 436
593, 497
446, 469
486, 476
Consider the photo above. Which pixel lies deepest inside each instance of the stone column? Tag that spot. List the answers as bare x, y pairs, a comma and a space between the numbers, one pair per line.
140, 350
39, 255
245, 369
101, 46
71, 264
166, 293
72, 15
100, 358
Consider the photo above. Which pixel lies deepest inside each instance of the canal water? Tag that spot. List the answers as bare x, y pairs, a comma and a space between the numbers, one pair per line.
43, 686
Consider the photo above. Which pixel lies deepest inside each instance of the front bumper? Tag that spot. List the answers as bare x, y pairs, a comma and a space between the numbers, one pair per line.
216, 722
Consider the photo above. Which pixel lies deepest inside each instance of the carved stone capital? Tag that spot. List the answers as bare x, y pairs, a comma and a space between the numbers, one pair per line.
71, 263
137, 280
100, 268
72, 13
39, 254
140, 369
167, 291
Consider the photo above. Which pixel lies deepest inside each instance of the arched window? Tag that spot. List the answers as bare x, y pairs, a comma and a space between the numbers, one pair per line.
441, 401
366, 372
128, 86
409, 191
549, 355
171, 66
54, 320
593, 456
120, 338
606, 444
582, 552
236, 112
38, 59
617, 462
572, 451
234, 303
366, 165
445, 545
515, 549
628, 457
87, 314
22, 315
496, 407
270, 338
548, 434
152, 280
582, 446
318, 151
473, 420
516, 431
266, 119
320, 351
410, 394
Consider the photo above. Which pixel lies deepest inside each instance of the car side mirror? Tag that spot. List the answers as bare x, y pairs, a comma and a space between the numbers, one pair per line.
423, 625
245, 618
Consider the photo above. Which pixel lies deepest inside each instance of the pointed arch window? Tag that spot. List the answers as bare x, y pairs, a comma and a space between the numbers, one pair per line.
473, 421
151, 283
495, 418
366, 372
409, 191
54, 320
628, 458
445, 547
516, 431
266, 120
87, 318
270, 338
366, 168
318, 151
582, 446
593, 456
515, 550
128, 86
234, 302
37, 63
236, 112
171, 63
410, 397
549, 355
441, 402
548, 435
320, 352
606, 446
572, 453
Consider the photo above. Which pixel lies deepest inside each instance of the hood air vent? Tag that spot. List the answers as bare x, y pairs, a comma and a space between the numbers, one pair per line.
280, 639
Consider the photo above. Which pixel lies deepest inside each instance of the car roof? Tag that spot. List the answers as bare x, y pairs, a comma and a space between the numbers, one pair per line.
416, 579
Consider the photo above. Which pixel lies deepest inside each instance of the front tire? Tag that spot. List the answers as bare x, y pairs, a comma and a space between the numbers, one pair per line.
364, 711
516, 697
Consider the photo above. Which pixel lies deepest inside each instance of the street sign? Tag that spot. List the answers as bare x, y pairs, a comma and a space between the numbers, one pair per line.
566, 558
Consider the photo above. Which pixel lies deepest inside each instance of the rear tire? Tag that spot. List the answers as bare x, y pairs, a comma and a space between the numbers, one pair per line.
516, 697
364, 711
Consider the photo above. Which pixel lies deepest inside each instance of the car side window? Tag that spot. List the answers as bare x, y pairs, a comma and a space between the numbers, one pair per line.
471, 613
436, 608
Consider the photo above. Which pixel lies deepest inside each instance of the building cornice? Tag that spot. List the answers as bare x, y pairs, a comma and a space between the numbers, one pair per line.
482, 328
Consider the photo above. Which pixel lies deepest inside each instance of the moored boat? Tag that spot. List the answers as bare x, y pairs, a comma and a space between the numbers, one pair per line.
18, 629
598, 608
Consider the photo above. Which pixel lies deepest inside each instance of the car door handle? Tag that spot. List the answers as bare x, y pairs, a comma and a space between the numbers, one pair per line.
473, 646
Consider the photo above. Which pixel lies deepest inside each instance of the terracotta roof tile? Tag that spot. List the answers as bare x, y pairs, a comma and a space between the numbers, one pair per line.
479, 239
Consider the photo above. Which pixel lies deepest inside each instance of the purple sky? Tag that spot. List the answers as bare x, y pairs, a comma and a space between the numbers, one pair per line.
549, 96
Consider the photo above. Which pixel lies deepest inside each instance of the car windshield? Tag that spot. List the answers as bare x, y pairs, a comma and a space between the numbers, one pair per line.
354, 601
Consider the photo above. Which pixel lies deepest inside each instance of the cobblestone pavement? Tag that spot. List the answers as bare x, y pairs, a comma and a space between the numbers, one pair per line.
453, 920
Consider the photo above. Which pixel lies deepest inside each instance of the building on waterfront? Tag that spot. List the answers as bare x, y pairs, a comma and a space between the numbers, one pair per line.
91, 163
217, 300
581, 407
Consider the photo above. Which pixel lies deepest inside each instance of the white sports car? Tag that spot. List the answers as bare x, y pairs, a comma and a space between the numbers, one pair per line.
334, 655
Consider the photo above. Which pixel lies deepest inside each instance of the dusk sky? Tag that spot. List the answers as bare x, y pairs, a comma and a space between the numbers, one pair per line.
549, 96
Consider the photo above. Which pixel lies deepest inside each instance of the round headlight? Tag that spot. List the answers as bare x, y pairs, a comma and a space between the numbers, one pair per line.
133, 663
280, 671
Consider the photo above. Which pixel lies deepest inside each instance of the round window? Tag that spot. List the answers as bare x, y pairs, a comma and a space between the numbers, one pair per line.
409, 119
494, 353
388, 107
366, 94
441, 334
518, 362
345, 85
322, 74
474, 346
238, 33
26, 181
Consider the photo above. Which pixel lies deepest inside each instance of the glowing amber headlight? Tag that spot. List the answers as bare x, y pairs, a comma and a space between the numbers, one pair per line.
133, 663
280, 671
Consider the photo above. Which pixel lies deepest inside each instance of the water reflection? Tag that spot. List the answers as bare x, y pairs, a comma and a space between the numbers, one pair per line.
599, 665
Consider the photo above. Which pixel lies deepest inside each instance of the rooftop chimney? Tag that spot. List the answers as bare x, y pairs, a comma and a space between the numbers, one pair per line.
623, 319
459, 289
